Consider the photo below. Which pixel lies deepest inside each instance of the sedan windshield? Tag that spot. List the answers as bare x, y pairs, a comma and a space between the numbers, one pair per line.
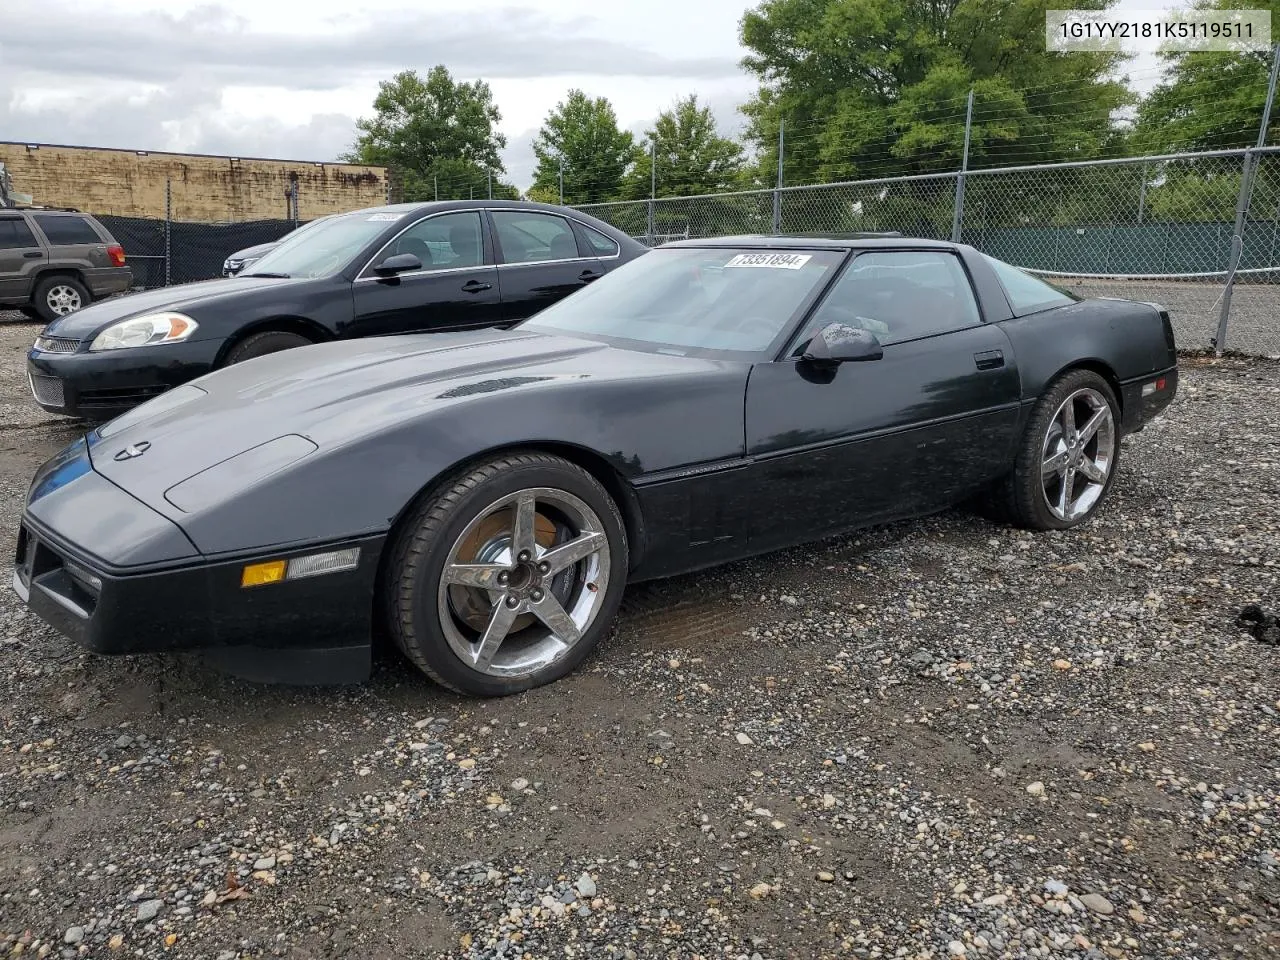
324, 248
688, 300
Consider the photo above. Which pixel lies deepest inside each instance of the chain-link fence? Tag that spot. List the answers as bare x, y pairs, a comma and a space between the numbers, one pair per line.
162, 253
1197, 232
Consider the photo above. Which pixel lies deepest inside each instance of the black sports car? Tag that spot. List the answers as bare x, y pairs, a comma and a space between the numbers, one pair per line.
408, 268
484, 496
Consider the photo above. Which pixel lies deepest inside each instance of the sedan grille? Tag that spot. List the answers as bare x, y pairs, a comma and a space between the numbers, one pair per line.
57, 344
47, 390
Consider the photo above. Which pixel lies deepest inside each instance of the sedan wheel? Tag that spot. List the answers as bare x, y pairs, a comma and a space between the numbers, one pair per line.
1067, 459
508, 578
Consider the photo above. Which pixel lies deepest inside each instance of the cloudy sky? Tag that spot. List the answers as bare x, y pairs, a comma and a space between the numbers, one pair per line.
287, 78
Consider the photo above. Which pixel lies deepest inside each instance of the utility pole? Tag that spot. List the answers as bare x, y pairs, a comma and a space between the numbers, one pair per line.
653, 182
957, 220
777, 192
562, 179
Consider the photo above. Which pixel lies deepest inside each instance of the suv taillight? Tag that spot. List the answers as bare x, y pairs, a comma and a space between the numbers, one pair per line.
116, 253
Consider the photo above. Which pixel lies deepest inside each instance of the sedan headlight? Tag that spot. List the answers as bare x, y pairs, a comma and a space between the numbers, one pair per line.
144, 331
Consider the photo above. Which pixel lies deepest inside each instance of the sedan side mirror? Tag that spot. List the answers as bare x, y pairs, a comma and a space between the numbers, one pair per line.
840, 343
396, 264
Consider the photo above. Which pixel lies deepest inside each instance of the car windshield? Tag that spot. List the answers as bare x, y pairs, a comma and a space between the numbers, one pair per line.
694, 301
322, 249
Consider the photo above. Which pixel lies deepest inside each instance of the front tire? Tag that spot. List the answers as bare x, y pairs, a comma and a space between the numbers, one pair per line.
507, 576
1068, 457
260, 344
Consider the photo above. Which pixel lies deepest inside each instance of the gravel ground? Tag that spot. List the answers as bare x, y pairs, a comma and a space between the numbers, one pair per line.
936, 739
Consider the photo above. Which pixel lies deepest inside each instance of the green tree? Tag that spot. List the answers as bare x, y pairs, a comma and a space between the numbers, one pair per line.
440, 134
869, 88
1208, 100
692, 157
582, 133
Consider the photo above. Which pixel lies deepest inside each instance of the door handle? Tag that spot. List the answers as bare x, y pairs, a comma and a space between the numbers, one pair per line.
989, 359
588, 275
32, 255
475, 286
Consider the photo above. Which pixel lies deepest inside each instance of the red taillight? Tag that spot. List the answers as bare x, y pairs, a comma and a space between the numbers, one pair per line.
116, 253
1160, 384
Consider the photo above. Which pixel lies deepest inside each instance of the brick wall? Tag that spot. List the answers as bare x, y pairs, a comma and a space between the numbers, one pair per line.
204, 188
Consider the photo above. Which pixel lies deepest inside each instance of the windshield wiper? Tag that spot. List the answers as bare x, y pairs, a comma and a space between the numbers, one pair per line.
274, 276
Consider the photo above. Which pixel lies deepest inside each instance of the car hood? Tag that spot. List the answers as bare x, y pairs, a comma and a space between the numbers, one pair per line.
249, 253
186, 298
286, 406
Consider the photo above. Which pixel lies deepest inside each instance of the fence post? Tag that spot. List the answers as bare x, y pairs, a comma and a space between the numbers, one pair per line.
168, 217
653, 183
957, 217
490, 184
562, 180
435, 185
1142, 194
777, 190
1242, 208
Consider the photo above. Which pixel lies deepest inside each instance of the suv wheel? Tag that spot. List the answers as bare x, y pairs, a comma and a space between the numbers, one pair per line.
58, 296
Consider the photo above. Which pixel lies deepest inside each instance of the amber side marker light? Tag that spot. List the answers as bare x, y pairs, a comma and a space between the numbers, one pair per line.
314, 565
257, 574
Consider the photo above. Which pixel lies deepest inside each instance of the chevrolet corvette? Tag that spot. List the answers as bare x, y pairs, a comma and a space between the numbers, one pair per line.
483, 497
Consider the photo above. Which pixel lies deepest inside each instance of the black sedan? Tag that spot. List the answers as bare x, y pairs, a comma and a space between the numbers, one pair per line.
484, 496
409, 268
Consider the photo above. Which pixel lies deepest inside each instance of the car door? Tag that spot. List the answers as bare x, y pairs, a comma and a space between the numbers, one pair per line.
540, 261
455, 289
21, 256
929, 422
72, 240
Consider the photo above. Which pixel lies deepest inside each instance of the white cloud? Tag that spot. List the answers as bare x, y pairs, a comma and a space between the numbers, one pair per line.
288, 79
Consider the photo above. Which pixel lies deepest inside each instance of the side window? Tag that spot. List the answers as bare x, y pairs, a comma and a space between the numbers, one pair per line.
601, 245
900, 296
448, 242
15, 234
533, 237
1026, 293
65, 230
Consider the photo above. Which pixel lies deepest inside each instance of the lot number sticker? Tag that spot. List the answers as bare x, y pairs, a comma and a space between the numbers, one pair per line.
778, 261
386, 216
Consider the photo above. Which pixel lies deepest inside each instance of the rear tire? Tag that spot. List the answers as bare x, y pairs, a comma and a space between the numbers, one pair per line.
469, 612
59, 295
1068, 457
260, 344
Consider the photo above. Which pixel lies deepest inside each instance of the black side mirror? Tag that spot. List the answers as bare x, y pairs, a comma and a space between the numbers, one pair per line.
840, 343
398, 263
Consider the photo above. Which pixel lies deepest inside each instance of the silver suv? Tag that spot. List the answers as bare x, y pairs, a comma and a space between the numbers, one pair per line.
53, 262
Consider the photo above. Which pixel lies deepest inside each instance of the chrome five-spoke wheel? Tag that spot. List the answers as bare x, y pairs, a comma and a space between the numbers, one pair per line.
506, 576
523, 582
1079, 449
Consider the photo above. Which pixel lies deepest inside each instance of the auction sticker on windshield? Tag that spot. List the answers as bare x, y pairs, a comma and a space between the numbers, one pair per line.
779, 261
385, 216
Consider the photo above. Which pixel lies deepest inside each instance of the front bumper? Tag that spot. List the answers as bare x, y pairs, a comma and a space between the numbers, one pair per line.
193, 606
103, 385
